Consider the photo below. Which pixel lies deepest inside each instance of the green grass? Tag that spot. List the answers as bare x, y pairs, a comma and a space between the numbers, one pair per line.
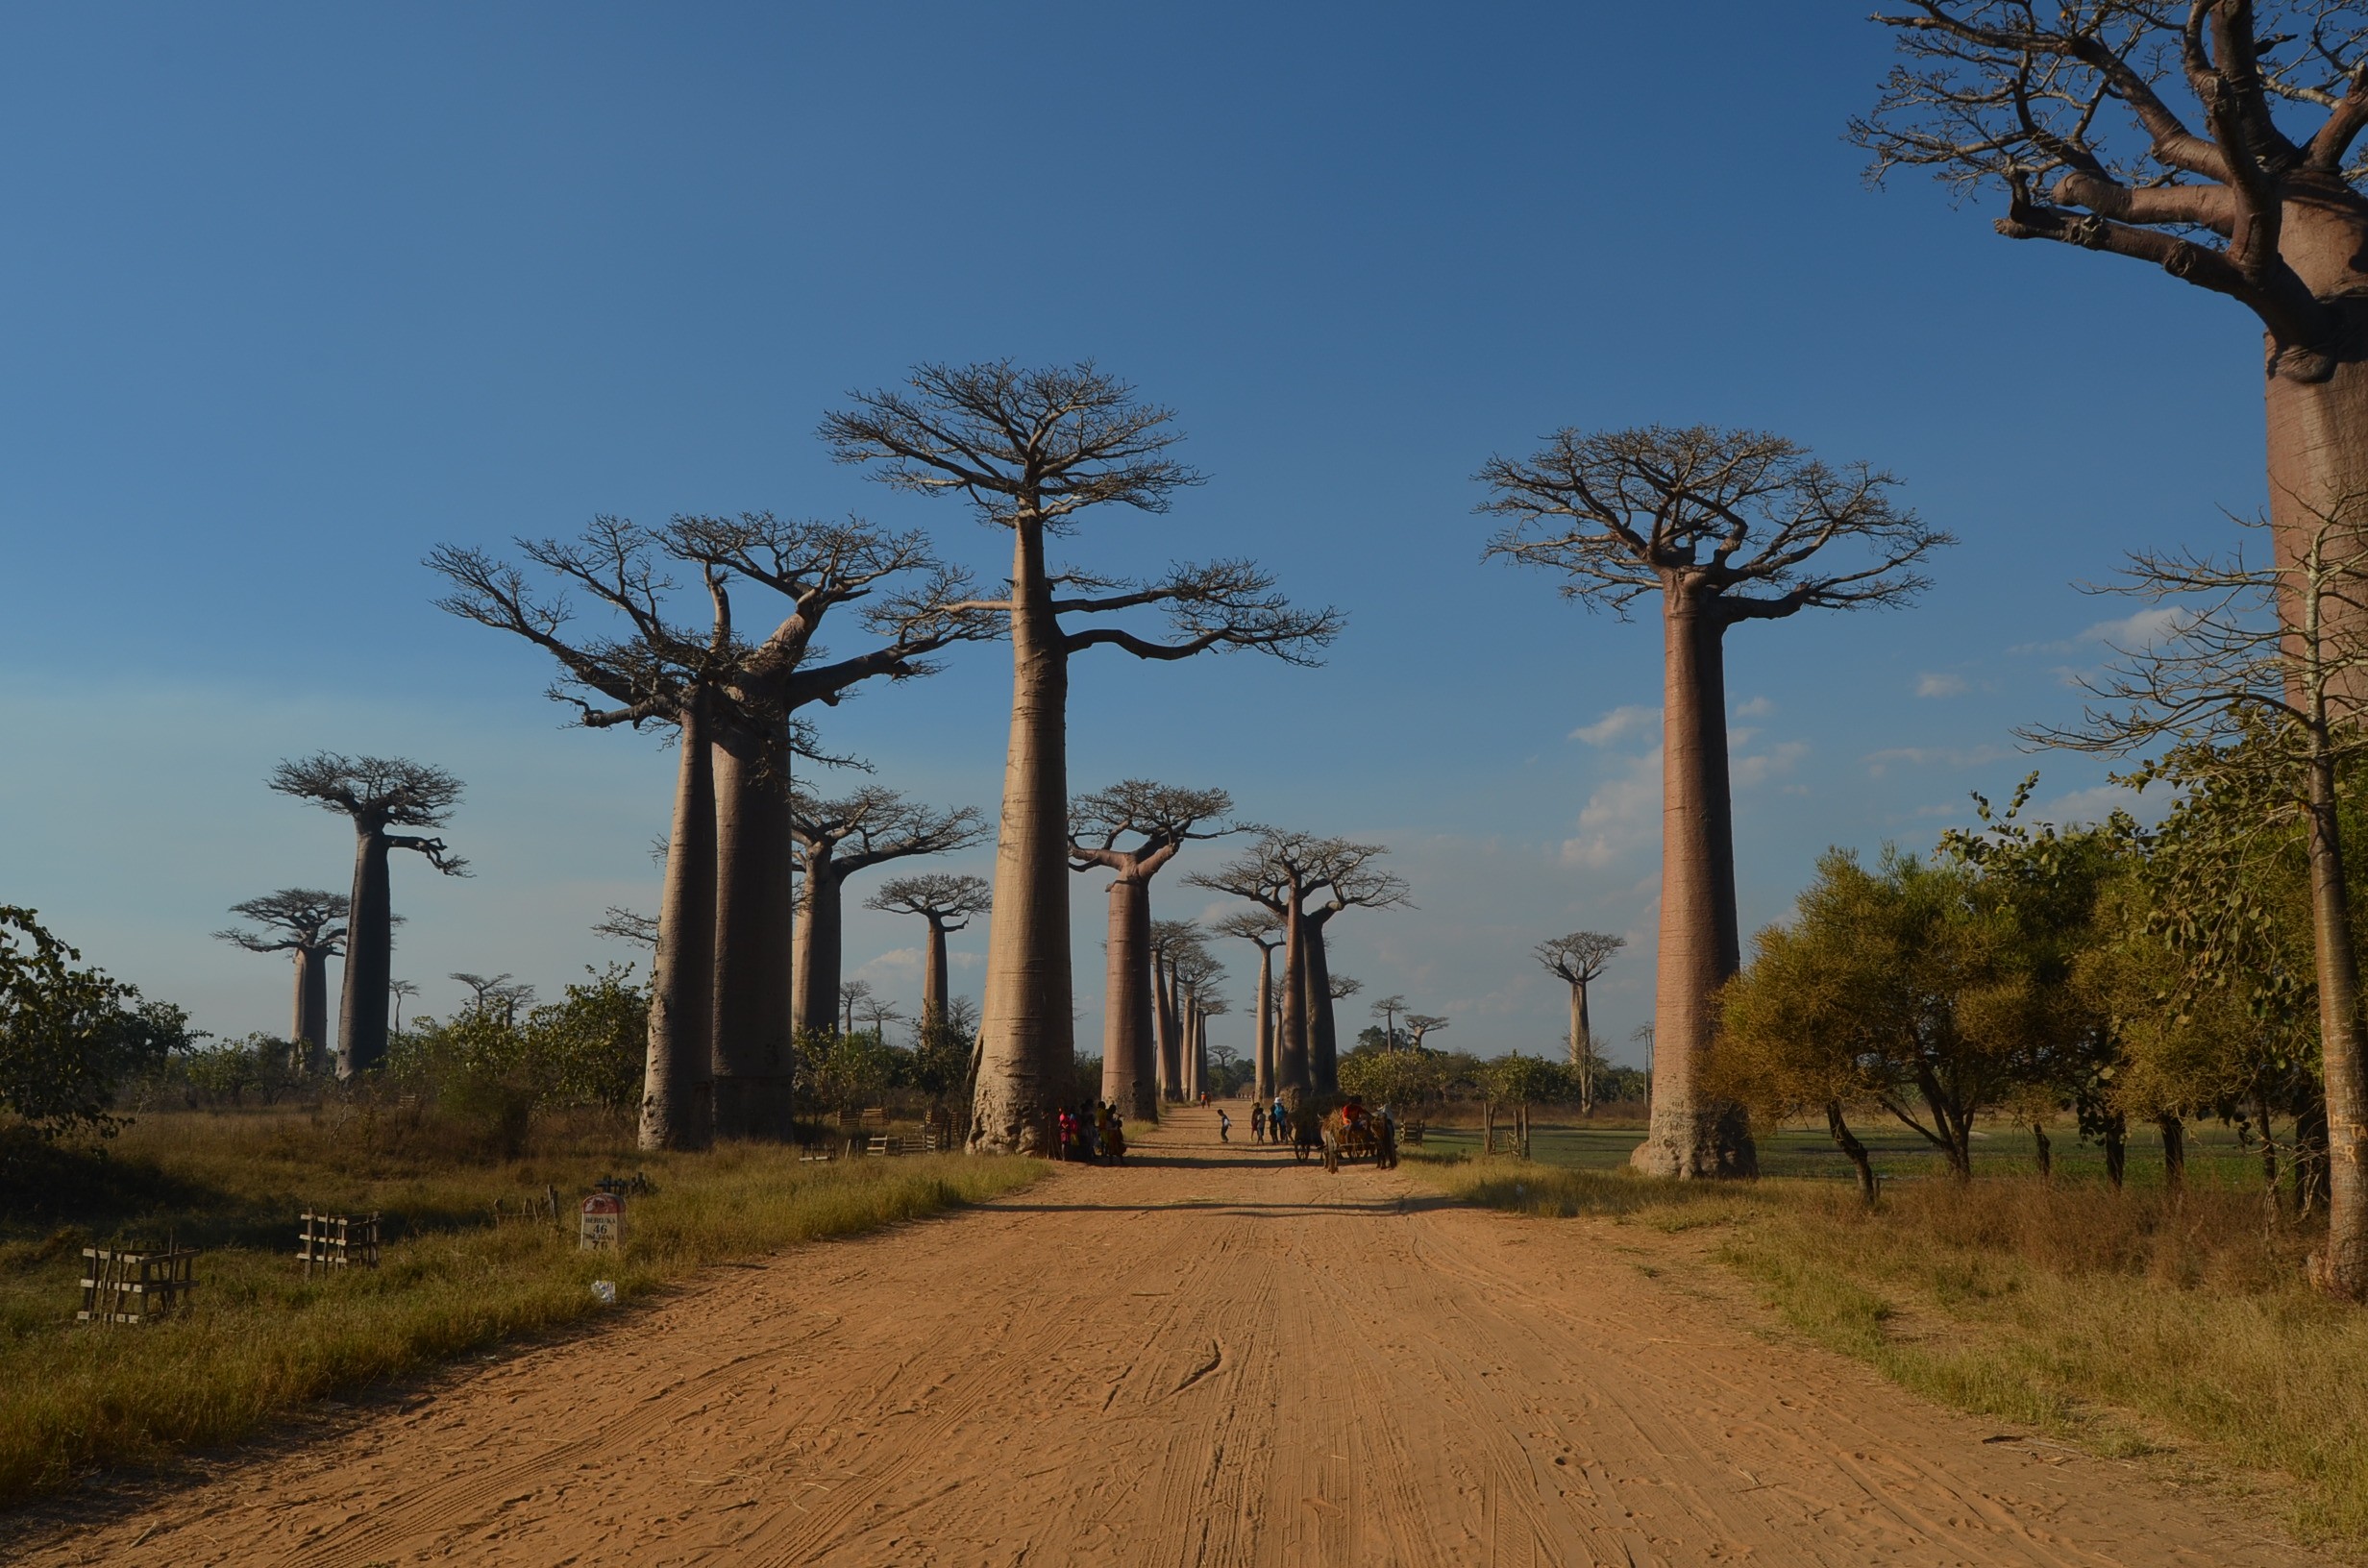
257, 1339
2126, 1323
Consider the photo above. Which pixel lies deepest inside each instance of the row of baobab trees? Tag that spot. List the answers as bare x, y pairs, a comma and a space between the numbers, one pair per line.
1722, 526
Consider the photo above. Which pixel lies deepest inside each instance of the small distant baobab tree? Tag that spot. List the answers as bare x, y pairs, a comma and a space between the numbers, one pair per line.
836, 839
2163, 134
948, 903
1725, 526
1033, 451
378, 795
1387, 1010
1196, 972
1160, 820
401, 991
1263, 929
1174, 944
1577, 959
310, 924
492, 994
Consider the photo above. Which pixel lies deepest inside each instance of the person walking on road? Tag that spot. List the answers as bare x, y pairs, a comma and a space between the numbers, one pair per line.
1258, 1124
1224, 1127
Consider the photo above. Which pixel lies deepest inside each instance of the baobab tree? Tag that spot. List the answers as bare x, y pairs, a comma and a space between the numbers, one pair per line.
1305, 881
489, 993
378, 795
1346, 879
1276, 874
1173, 943
1387, 1011
1261, 928
1420, 1026
1033, 451
1726, 526
836, 839
310, 923
1196, 972
1577, 959
400, 991
853, 997
948, 903
731, 874
2152, 132
1160, 819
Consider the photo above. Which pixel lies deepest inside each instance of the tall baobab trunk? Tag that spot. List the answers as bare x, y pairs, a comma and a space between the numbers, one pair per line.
820, 950
1692, 1135
753, 930
1171, 1058
1128, 1070
1201, 1052
1324, 1073
2343, 1269
311, 1032
933, 978
1026, 1035
1582, 1047
369, 959
2318, 448
678, 1097
1263, 1080
1290, 1067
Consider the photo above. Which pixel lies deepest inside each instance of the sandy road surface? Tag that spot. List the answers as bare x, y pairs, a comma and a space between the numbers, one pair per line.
1214, 1357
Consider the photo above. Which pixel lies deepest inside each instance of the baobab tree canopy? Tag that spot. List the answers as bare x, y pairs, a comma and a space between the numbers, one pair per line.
2215, 139
2153, 131
1033, 451
1726, 526
377, 794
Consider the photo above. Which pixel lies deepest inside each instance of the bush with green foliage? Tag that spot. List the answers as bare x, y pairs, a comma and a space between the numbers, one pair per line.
70, 1036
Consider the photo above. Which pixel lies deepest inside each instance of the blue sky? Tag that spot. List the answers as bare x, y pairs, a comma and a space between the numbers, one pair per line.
291, 294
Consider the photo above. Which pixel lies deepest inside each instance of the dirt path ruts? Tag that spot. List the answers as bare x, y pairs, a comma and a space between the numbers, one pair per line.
1211, 1357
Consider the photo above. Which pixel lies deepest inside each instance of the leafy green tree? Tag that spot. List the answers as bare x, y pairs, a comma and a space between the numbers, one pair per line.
1397, 1078
1901, 986
70, 1036
591, 1042
2257, 691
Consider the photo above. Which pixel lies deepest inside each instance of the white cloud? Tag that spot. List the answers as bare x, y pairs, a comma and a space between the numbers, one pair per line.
897, 966
2095, 804
1621, 817
1777, 761
1617, 724
2141, 631
1933, 685
2131, 632
1759, 707
1879, 763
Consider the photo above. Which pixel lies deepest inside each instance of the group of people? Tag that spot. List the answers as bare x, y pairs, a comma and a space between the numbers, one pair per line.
1270, 1126
1091, 1133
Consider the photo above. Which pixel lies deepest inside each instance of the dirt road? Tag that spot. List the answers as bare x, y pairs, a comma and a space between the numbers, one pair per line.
1212, 1357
